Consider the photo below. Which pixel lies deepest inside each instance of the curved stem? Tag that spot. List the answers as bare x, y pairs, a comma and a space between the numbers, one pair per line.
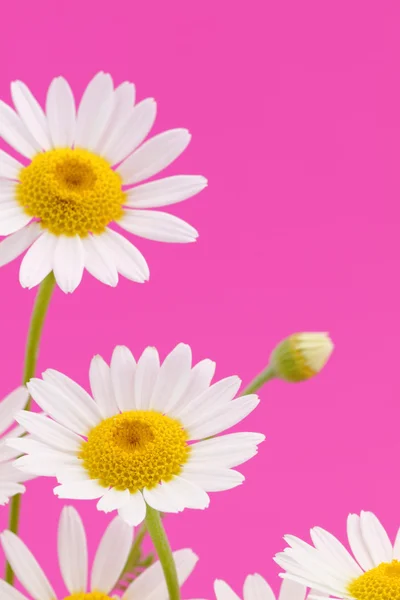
161, 544
259, 381
31, 354
136, 550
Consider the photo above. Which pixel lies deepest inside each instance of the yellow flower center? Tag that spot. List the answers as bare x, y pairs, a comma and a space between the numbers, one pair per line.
135, 449
88, 596
381, 583
71, 192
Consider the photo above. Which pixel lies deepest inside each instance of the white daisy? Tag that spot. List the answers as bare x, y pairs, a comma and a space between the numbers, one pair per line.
373, 573
10, 477
83, 168
132, 444
107, 567
256, 588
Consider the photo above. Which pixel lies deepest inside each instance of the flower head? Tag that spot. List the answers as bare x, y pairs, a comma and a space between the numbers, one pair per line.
372, 574
301, 356
256, 588
83, 167
10, 477
144, 436
108, 564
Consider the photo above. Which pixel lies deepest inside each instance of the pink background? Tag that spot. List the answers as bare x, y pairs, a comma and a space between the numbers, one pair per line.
294, 111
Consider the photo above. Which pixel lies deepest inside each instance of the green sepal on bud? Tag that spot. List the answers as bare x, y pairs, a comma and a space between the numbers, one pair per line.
301, 356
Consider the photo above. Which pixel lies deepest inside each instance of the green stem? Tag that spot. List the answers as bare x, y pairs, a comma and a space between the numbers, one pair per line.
135, 553
161, 544
259, 381
31, 354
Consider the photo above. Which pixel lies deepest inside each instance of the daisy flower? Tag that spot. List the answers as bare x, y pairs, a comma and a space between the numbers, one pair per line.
371, 572
256, 588
82, 175
142, 439
10, 477
107, 567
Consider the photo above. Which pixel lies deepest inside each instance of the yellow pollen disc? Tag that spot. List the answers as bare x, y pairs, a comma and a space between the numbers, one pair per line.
381, 583
71, 192
88, 596
135, 449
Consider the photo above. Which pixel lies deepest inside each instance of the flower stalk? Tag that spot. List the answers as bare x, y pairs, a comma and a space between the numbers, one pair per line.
161, 544
31, 355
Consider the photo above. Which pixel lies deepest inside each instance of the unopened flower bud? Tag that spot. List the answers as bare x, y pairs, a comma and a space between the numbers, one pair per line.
301, 356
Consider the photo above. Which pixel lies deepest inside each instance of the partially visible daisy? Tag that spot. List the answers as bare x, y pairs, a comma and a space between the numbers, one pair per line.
10, 477
108, 565
373, 573
136, 442
256, 588
82, 175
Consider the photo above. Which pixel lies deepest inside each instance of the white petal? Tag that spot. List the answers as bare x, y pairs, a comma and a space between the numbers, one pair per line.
187, 494
376, 539
150, 585
226, 451
396, 548
60, 109
94, 111
7, 453
69, 262
134, 512
26, 567
69, 409
12, 215
172, 378
290, 590
8, 490
72, 550
111, 556
357, 544
255, 588
83, 401
146, 376
81, 490
335, 553
161, 499
128, 260
223, 591
199, 381
99, 261
69, 473
212, 479
18, 242
50, 432
154, 156
123, 368
9, 593
45, 463
14, 132
29, 445
31, 114
101, 385
9, 167
164, 192
9, 474
38, 261
218, 395
12, 403
135, 130
124, 99
113, 500
158, 226
223, 417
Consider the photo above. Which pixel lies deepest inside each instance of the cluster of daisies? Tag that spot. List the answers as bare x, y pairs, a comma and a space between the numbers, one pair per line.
150, 435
